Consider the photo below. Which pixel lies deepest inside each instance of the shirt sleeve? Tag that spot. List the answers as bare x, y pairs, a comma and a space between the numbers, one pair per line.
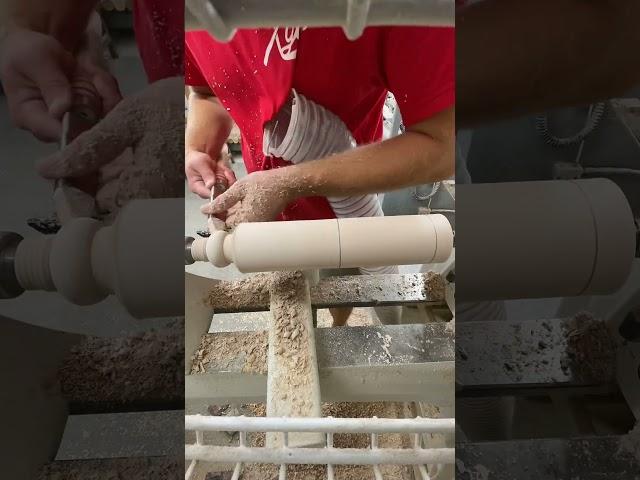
192, 74
419, 69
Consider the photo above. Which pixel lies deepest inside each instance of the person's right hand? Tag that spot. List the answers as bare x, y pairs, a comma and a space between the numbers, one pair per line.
201, 171
35, 70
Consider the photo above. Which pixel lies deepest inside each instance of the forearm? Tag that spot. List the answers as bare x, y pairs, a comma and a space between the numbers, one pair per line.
208, 125
522, 56
66, 20
409, 159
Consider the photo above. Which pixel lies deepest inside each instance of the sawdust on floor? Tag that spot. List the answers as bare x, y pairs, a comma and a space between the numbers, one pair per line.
254, 471
135, 468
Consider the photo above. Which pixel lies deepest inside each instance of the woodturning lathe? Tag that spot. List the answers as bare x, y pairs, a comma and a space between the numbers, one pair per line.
140, 261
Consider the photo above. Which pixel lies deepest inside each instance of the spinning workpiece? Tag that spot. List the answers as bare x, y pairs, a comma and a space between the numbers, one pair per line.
335, 243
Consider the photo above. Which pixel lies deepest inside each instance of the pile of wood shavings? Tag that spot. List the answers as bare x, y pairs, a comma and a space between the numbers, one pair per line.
234, 295
218, 350
256, 471
434, 285
145, 365
590, 348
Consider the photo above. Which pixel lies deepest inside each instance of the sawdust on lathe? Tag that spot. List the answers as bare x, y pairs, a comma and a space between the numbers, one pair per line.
255, 471
294, 353
590, 348
630, 443
434, 285
218, 350
135, 367
234, 295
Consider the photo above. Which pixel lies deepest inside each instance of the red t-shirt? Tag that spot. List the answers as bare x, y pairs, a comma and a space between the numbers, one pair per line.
159, 29
253, 74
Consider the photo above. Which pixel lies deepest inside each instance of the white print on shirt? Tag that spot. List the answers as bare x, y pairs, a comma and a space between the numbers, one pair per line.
288, 50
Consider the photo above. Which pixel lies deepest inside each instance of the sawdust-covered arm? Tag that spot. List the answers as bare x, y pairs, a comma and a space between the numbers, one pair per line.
524, 56
424, 153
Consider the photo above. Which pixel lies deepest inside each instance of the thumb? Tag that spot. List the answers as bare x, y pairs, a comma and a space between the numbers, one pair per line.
94, 148
225, 201
208, 174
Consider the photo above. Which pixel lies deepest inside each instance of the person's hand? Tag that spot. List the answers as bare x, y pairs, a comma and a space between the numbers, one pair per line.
258, 197
137, 149
201, 171
36, 73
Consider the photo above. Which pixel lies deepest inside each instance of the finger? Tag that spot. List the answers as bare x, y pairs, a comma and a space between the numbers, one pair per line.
198, 187
228, 174
108, 89
206, 172
52, 79
207, 209
225, 200
34, 116
93, 148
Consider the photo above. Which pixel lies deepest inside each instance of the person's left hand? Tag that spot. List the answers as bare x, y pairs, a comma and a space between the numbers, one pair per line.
258, 197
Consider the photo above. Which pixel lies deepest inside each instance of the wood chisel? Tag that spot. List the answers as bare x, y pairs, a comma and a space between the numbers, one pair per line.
70, 201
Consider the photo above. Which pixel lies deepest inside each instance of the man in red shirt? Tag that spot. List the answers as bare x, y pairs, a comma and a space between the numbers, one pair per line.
250, 78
